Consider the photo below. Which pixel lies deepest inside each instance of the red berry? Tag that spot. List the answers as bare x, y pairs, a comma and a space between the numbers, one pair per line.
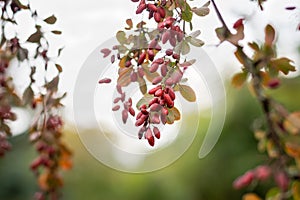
162, 12
133, 77
141, 58
238, 23
149, 137
262, 172
157, 17
156, 132
124, 116
164, 111
131, 111
154, 67
115, 108
244, 180
158, 93
153, 90
165, 37
105, 80
169, 52
128, 63
150, 54
157, 80
168, 100
159, 61
152, 44
153, 101
273, 83
164, 69
282, 180
172, 94
152, 7
142, 6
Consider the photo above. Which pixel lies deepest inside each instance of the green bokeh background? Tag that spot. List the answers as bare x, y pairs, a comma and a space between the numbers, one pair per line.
189, 178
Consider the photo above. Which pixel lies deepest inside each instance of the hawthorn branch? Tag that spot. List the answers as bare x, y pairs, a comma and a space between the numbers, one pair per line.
264, 100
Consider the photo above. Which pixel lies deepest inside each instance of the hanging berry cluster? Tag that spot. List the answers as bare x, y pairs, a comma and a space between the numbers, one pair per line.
142, 58
46, 129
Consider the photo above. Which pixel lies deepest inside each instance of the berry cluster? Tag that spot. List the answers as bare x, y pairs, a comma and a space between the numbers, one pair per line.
141, 59
155, 112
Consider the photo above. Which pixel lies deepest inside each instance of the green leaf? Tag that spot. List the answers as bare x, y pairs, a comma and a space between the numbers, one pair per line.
239, 79
273, 192
187, 92
196, 42
50, 20
187, 13
195, 33
35, 37
56, 32
185, 48
170, 117
121, 37
203, 11
283, 64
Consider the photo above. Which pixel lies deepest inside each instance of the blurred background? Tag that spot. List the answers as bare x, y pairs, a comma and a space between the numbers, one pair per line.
188, 178
87, 24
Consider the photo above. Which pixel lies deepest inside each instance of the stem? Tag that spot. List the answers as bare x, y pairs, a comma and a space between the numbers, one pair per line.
220, 16
263, 99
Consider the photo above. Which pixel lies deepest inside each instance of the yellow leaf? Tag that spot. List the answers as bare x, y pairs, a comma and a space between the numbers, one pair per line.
251, 196
239, 79
296, 190
122, 62
292, 123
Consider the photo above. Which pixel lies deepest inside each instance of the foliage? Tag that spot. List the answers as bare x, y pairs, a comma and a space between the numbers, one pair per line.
278, 133
45, 131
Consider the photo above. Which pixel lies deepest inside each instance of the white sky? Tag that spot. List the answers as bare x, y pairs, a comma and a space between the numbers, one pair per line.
87, 24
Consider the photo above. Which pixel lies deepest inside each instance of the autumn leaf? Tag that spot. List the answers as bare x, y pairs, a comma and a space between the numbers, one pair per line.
251, 196
283, 64
239, 79
50, 20
129, 23
187, 93
124, 77
35, 37
269, 35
